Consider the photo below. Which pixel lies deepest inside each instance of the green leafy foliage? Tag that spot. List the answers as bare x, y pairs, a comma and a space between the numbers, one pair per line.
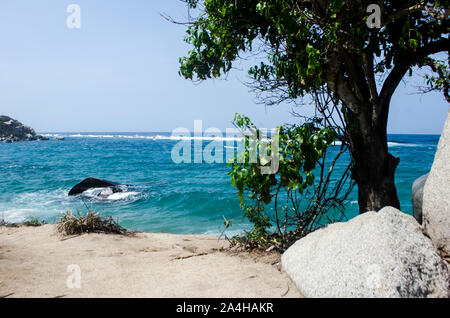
302, 37
305, 47
33, 222
300, 149
440, 81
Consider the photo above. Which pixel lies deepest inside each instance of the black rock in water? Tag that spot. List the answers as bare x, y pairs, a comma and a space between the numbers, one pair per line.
92, 183
12, 130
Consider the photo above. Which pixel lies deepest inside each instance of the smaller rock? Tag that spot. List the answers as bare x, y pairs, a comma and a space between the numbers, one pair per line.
417, 197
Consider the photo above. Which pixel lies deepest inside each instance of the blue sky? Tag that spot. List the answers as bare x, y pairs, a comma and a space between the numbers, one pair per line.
119, 72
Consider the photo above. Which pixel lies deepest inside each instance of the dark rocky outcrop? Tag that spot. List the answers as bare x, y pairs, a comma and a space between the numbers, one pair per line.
92, 183
12, 130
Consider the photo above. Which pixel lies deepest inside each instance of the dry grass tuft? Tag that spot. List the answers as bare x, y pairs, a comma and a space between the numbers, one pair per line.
92, 222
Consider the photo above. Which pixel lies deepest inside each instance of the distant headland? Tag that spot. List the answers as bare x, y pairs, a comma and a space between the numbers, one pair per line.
12, 130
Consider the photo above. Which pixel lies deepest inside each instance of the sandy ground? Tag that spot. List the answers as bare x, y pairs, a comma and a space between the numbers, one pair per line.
34, 262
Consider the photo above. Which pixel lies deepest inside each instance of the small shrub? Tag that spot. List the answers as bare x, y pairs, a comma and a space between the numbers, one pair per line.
92, 222
33, 221
4, 223
303, 194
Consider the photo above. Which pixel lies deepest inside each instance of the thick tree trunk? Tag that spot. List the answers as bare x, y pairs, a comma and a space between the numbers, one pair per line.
366, 114
374, 172
374, 167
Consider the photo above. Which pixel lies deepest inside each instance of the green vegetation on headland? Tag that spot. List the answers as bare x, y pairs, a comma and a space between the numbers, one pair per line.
12, 130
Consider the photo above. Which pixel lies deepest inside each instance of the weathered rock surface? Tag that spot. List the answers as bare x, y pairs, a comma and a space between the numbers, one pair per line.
12, 130
92, 183
382, 254
417, 197
436, 195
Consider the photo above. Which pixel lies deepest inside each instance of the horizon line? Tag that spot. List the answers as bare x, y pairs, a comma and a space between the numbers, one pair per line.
159, 132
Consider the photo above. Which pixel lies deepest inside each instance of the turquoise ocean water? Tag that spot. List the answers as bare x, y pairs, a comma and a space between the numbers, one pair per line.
161, 196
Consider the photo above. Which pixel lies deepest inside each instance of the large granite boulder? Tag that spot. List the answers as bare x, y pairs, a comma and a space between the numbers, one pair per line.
436, 195
417, 197
382, 254
93, 183
12, 130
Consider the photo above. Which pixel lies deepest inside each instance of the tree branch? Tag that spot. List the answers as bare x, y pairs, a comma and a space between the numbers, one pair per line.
399, 71
436, 67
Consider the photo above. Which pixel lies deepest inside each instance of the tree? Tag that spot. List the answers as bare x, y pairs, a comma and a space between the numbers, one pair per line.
329, 46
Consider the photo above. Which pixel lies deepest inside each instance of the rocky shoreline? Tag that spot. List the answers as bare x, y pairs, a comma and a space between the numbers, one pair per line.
12, 130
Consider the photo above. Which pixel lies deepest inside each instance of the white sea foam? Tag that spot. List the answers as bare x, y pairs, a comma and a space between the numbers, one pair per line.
122, 196
187, 138
43, 197
15, 215
155, 137
399, 144
48, 204
106, 194
198, 138
94, 192
390, 144
43, 204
